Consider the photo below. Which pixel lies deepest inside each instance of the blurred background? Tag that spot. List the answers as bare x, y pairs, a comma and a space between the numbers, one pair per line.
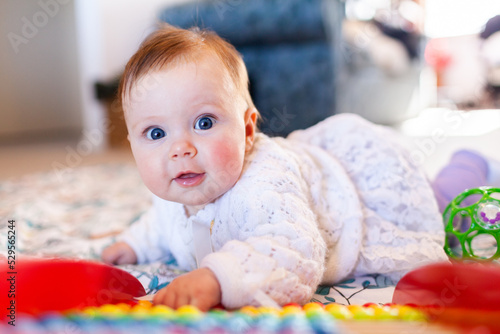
388, 60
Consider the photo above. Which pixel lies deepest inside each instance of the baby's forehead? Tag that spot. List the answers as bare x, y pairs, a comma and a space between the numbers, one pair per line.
178, 83
196, 67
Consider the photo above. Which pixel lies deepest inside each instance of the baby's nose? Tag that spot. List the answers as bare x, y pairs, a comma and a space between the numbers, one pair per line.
182, 149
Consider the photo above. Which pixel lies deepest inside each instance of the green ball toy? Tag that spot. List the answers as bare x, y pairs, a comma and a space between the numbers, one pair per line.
472, 225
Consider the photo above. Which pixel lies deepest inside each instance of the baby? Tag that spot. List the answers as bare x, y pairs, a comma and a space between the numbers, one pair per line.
255, 217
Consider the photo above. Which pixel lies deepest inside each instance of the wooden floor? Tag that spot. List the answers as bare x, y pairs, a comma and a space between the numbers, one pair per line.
17, 160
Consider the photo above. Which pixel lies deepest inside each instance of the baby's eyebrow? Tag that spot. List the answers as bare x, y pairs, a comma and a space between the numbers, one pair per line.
143, 122
211, 102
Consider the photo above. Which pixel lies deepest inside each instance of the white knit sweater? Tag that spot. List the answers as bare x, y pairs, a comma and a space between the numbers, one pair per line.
336, 200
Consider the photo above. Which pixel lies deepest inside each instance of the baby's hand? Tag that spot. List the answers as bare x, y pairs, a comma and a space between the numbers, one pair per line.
119, 253
199, 288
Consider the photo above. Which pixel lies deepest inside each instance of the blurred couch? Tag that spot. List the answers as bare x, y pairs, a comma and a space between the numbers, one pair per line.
290, 49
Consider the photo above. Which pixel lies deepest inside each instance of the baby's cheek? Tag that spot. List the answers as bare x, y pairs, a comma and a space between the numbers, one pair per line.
147, 176
148, 169
229, 158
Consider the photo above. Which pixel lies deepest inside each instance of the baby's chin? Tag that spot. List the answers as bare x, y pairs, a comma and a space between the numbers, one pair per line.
198, 203
191, 204
196, 198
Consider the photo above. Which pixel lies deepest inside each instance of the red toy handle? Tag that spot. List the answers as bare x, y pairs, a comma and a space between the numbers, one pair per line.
42, 285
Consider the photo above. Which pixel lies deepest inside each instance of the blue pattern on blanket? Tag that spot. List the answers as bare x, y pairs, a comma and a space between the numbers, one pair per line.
77, 212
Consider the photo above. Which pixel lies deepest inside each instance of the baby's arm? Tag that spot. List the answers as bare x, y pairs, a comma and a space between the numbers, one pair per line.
144, 240
119, 253
199, 288
279, 253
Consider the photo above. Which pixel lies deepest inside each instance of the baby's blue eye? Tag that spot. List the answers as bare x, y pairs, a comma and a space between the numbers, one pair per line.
155, 133
204, 123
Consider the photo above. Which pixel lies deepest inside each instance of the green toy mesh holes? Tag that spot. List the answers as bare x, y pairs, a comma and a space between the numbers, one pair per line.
470, 199
495, 195
461, 222
452, 246
483, 246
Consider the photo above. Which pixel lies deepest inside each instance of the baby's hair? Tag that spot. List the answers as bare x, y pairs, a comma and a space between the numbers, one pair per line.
170, 45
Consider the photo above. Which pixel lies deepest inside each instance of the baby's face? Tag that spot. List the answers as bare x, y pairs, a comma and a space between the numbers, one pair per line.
189, 130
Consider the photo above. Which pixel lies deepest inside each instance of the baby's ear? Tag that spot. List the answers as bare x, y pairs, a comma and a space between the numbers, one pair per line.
250, 127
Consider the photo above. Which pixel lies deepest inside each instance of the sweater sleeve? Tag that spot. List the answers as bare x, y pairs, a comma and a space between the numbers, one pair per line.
146, 235
402, 226
275, 245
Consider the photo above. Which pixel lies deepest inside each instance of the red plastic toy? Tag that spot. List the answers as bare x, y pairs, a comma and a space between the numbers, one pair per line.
458, 284
459, 293
41, 285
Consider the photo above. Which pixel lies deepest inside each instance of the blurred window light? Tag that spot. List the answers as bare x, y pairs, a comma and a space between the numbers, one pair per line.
447, 18
411, 11
451, 123
365, 10
399, 14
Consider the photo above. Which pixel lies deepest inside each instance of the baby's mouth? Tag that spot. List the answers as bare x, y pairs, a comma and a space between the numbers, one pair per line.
189, 179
